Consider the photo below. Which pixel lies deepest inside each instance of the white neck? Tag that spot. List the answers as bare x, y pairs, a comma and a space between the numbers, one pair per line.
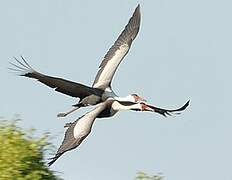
117, 106
126, 98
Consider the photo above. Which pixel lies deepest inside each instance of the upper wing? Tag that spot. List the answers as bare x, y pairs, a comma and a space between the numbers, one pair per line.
61, 85
117, 52
77, 131
166, 112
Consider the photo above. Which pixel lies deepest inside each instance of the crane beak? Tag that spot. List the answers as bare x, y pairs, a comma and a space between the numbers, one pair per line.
146, 108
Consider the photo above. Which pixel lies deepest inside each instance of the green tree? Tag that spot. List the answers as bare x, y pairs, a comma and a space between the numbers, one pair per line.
22, 154
144, 176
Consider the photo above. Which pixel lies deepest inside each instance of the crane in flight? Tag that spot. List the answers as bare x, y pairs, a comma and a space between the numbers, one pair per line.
101, 87
107, 103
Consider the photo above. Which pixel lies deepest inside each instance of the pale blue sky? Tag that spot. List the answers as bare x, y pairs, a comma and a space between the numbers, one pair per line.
183, 51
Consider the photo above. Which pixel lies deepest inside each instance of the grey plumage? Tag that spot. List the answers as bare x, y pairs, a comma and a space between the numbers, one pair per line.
68, 143
125, 39
103, 110
108, 103
60, 85
96, 94
78, 130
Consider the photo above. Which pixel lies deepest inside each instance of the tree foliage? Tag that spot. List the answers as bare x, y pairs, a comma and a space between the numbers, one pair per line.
144, 176
22, 155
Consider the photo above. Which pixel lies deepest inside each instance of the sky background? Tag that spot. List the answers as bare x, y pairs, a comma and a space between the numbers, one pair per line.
183, 51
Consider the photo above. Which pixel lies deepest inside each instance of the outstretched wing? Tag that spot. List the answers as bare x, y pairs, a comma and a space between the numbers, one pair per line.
61, 85
78, 131
117, 52
169, 112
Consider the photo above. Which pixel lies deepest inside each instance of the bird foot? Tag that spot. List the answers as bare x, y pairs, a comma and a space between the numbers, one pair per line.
61, 114
67, 113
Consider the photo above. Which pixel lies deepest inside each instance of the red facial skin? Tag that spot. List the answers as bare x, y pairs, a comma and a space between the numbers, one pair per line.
143, 106
138, 98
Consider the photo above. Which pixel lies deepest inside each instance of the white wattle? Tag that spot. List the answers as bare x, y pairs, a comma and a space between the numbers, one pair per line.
116, 106
129, 98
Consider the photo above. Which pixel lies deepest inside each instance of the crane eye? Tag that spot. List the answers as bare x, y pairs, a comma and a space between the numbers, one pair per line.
136, 95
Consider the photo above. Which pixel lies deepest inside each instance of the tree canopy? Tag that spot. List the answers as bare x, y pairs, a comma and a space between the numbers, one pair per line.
22, 155
143, 176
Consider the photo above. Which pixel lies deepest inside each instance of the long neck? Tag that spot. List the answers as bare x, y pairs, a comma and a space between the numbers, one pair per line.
122, 106
126, 98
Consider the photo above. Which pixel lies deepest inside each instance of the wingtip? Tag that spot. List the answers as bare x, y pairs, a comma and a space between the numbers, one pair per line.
188, 102
137, 9
52, 160
22, 67
50, 163
185, 105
